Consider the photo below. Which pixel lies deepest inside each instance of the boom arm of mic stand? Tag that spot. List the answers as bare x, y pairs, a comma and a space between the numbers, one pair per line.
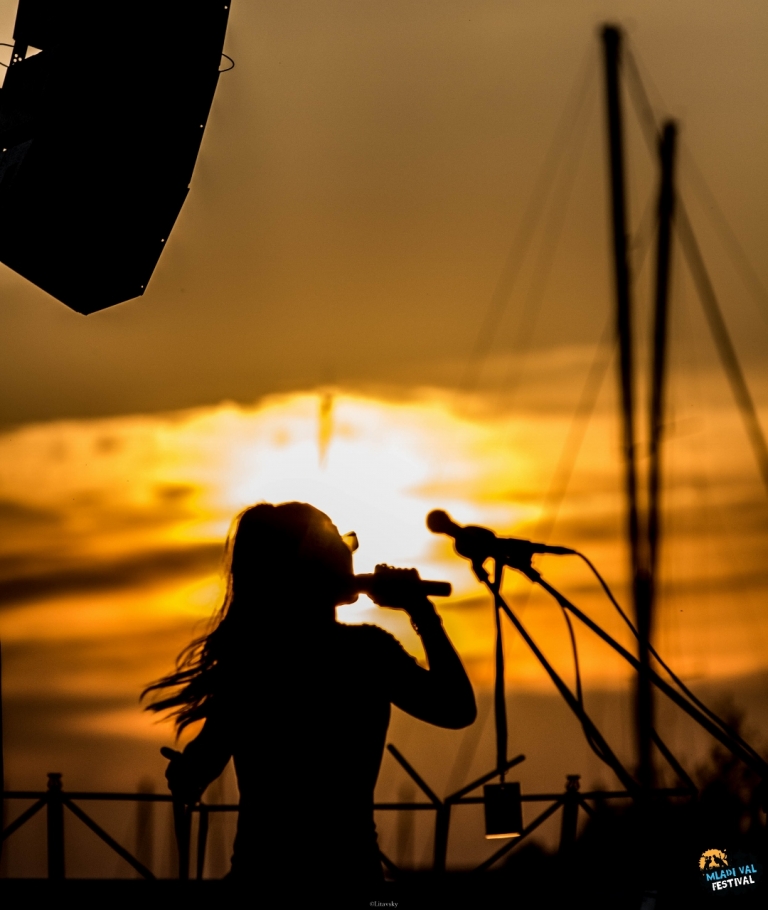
759, 766
611, 760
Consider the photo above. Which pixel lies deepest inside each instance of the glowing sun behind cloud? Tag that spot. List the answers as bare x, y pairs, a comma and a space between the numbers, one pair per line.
114, 532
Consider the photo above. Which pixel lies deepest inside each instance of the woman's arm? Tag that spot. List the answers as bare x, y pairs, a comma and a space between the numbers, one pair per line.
202, 761
442, 694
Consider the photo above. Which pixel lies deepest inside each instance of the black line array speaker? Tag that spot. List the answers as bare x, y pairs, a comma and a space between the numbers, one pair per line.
99, 132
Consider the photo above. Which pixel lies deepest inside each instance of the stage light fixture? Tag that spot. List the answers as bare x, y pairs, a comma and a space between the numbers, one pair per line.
102, 113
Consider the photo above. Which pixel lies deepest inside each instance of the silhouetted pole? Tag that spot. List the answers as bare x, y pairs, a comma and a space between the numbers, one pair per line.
499, 695
666, 213
612, 47
2, 755
442, 829
202, 840
666, 209
570, 819
405, 829
182, 818
55, 809
145, 826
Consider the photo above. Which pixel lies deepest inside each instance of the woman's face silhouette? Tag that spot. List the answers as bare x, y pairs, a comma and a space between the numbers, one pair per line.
326, 564
293, 550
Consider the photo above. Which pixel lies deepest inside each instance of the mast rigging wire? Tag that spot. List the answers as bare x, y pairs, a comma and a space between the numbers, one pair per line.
725, 736
525, 232
723, 342
706, 291
709, 201
673, 676
543, 267
594, 381
573, 442
710, 721
730, 241
590, 728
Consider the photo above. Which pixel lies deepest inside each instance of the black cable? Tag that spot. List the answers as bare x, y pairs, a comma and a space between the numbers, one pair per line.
604, 752
641, 242
593, 745
704, 285
718, 721
723, 734
574, 649
723, 342
570, 451
528, 225
643, 108
542, 270
721, 337
229, 67
673, 676
673, 762
710, 204
728, 235
562, 476
719, 729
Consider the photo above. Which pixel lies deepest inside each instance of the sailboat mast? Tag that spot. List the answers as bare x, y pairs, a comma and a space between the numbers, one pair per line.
612, 40
666, 211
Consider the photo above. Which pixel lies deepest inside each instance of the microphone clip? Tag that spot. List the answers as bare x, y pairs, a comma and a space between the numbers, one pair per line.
480, 544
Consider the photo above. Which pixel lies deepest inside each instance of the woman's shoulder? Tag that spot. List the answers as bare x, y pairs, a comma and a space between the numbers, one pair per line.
364, 628
370, 637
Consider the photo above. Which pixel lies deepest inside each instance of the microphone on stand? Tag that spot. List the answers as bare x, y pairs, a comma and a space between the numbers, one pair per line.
478, 544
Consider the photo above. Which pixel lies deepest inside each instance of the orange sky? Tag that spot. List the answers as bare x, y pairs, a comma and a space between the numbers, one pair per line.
363, 175
111, 556
114, 527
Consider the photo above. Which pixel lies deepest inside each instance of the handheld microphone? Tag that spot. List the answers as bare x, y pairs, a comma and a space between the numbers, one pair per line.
388, 584
478, 544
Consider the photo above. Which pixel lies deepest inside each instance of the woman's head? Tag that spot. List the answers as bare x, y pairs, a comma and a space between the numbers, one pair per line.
288, 564
292, 550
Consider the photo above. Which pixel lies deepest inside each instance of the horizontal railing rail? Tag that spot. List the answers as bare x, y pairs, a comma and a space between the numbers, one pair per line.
56, 800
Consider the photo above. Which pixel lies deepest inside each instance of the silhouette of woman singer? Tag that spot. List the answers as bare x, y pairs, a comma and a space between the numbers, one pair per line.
301, 701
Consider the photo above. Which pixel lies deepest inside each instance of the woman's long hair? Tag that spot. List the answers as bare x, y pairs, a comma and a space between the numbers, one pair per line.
268, 545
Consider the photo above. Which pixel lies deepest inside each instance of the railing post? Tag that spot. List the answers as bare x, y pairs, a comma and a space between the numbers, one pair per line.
145, 825
202, 840
55, 809
2, 756
442, 825
570, 814
182, 818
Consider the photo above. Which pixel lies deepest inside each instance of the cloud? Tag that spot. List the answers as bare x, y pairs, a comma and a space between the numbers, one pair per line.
106, 575
17, 513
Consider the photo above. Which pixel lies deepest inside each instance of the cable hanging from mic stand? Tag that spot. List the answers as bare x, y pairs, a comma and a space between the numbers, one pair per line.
480, 544
603, 750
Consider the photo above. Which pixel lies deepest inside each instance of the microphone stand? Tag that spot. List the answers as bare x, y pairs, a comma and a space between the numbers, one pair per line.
751, 759
590, 730
499, 694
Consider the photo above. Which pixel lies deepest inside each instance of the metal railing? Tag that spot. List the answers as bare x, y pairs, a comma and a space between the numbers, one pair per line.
570, 800
55, 800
